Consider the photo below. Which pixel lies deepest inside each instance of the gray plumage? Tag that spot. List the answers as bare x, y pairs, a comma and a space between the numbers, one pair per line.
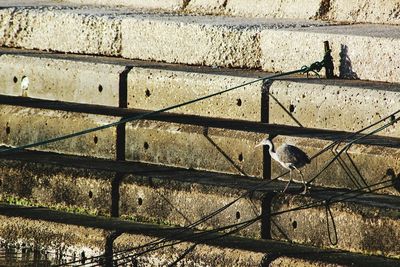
290, 157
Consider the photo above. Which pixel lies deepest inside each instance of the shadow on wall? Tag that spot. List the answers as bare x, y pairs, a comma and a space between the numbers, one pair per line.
345, 68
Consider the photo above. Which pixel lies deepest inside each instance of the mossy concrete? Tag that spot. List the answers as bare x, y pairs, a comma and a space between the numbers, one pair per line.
360, 166
183, 203
66, 188
193, 147
60, 230
22, 126
355, 227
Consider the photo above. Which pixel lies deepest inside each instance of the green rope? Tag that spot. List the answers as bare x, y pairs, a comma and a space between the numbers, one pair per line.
316, 66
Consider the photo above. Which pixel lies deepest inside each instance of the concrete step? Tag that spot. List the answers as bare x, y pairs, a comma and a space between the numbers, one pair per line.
69, 233
314, 103
376, 11
23, 126
218, 41
201, 147
184, 143
181, 197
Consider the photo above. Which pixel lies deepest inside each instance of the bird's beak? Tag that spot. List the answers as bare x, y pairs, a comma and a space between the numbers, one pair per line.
259, 144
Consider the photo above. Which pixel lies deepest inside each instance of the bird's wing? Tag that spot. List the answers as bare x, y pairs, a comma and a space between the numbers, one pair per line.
291, 154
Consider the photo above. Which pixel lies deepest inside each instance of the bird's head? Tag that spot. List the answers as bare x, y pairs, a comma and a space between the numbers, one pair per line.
264, 142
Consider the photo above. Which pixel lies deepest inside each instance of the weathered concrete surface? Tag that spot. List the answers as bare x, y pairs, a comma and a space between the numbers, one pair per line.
67, 239
76, 233
60, 29
375, 11
193, 40
359, 51
189, 146
59, 79
299, 9
153, 89
21, 126
361, 166
202, 255
359, 227
65, 188
169, 5
334, 105
181, 202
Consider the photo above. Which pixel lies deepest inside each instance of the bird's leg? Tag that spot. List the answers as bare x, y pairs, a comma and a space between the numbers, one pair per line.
290, 179
304, 183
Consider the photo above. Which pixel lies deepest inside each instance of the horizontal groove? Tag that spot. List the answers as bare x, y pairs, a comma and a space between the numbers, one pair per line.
206, 178
240, 125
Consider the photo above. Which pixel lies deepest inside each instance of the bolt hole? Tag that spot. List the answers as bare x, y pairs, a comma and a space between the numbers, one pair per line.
237, 215
294, 224
15, 79
140, 201
291, 108
95, 139
390, 172
240, 157
392, 118
146, 145
90, 194
148, 93
100, 88
239, 102
8, 130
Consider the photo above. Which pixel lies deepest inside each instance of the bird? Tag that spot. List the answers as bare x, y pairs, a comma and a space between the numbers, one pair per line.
290, 157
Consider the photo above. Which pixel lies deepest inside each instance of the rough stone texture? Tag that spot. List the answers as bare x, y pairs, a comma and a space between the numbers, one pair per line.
333, 105
151, 89
64, 238
359, 228
183, 203
359, 51
21, 126
59, 79
60, 29
170, 5
202, 255
299, 9
192, 40
361, 166
58, 187
187, 146
371, 11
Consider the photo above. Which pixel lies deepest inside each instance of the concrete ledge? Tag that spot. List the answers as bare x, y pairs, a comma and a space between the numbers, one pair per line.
353, 59
70, 241
359, 227
60, 79
376, 11
228, 42
194, 147
177, 201
360, 167
232, 250
157, 88
333, 104
49, 185
23, 126
60, 29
